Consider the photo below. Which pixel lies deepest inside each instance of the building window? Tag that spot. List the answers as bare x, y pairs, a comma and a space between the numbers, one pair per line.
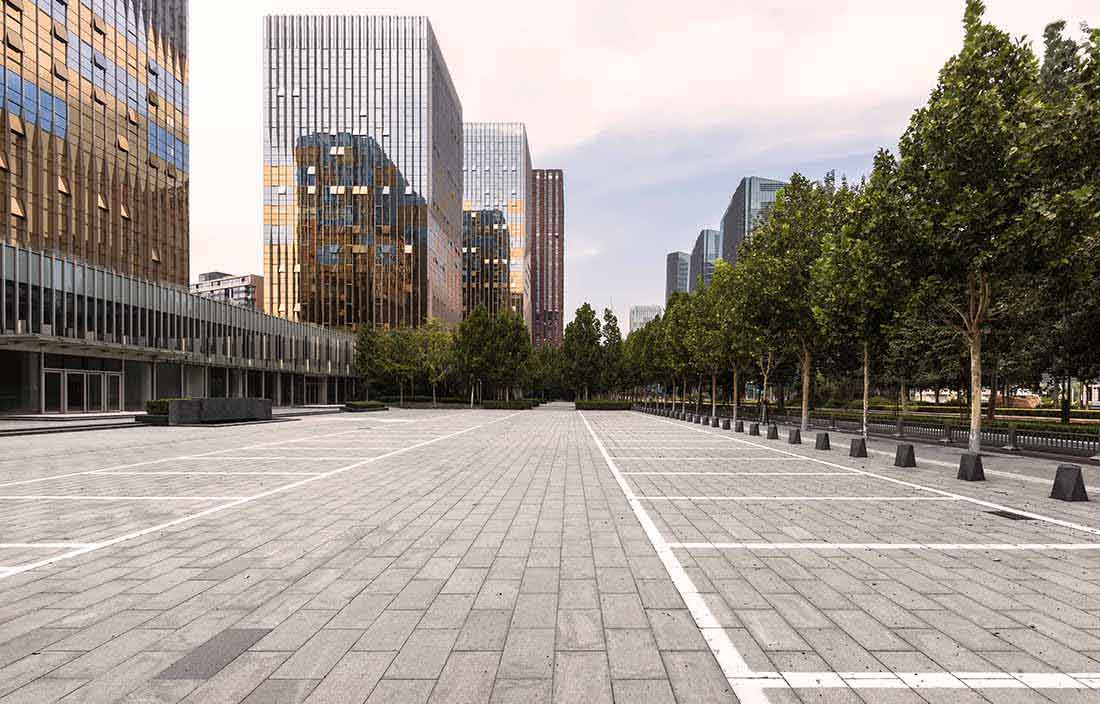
17, 208
63, 185
153, 99
101, 202
156, 255
14, 41
16, 124
59, 32
123, 143
61, 71
124, 211
132, 115
98, 26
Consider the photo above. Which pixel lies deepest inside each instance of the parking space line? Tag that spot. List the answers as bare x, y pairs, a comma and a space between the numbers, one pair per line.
725, 652
902, 482
797, 498
45, 546
709, 459
947, 547
200, 473
19, 569
846, 475
922, 680
279, 458
94, 497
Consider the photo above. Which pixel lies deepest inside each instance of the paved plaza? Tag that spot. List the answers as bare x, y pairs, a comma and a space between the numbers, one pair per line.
487, 556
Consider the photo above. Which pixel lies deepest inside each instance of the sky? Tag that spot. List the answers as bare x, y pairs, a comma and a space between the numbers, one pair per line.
654, 109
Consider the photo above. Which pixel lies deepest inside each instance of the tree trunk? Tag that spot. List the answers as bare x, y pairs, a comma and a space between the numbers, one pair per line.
993, 392
975, 443
471, 394
806, 359
764, 400
401, 394
736, 395
434, 403
713, 395
866, 384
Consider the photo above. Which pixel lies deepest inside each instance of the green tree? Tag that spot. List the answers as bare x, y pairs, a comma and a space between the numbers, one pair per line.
545, 372
368, 360
705, 340
400, 358
473, 347
511, 350
582, 350
436, 352
958, 157
734, 336
612, 364
675, 329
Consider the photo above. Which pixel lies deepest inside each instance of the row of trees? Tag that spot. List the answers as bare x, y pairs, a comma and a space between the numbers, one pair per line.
971, 255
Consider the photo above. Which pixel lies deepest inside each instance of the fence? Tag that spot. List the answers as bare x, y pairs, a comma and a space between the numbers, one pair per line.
1004, 437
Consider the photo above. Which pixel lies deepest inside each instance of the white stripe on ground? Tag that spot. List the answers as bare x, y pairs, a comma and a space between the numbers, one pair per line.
19, 569
797, 498
94, 497
156, 473
709, 459
1040, 547
44, 545
844, 475
725, 652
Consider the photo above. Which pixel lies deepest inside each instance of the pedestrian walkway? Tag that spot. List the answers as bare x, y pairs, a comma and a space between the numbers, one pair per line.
548, 555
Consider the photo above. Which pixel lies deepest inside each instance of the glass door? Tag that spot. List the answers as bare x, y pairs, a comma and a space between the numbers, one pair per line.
114, 392
74, 392
95, 393
51, 401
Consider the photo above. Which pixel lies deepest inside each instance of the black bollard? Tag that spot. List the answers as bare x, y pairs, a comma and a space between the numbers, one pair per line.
773, 432
739, 426
822, 441
859, 448
970, 468
754, 429
1069, 485
725, 424
794, 437
715, 422
905, 456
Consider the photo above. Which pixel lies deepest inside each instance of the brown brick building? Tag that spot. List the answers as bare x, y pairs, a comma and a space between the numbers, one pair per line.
548, 255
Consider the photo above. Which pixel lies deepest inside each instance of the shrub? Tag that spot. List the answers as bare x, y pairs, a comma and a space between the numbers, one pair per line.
159, 406
525, 404
602, 405
365, 406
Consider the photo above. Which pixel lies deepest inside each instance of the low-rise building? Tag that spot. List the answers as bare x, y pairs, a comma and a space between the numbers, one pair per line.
641, 315
247, 290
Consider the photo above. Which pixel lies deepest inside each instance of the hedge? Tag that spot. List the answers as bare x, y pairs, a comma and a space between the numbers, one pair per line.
957, 422
159, 406
365, 405
394, 400
601, 405
520, 405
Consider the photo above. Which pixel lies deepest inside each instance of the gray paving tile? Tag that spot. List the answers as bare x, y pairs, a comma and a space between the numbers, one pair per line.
209, 658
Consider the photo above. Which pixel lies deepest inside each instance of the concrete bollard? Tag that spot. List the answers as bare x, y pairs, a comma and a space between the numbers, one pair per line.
822, 441
715, 422
794, 436
725, 424
970, 468
754, 429
773, 432
905, 456
1069, 485
859, 448
739, 426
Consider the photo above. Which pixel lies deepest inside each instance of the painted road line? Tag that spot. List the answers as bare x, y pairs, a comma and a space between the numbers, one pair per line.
94, 497
201, 473
1038, 547
845, 475
19, 569
725, 652
797, 498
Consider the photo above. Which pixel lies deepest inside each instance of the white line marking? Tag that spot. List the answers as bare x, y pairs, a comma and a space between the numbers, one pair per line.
206, 474
85, 497
725, 652
710, 459
888, 546
900, 482
846, 475
991, 472
921, 680
45, 545
278, 458
19, 569
798, 498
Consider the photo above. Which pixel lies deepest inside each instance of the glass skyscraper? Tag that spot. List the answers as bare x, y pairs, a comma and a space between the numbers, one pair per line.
548, 255
707, 250
497, 178
753, 197
95, 159
362, 172
677, 273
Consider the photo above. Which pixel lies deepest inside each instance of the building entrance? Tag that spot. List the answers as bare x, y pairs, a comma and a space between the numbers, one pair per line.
67, 391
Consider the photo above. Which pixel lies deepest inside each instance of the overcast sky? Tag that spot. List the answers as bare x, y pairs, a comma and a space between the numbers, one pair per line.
654, 109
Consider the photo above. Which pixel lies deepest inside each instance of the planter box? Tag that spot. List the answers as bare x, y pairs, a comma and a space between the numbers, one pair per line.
373, 409
202, 411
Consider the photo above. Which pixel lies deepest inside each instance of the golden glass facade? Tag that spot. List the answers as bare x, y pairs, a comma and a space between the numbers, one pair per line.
94, 147
362, 172
497, 179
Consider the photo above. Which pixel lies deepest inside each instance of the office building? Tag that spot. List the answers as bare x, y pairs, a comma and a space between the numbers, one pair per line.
707, 250
752, 199
677, 273
362, 172
641, 315
548, 256
247, 290
94, 264
95, 159
497, 211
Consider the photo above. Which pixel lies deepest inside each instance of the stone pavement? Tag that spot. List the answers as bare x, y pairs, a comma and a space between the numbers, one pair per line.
477, 556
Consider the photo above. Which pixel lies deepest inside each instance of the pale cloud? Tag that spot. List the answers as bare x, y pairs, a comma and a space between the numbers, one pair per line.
654, 108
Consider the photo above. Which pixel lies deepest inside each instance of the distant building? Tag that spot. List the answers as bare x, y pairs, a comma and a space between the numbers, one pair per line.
640, 315
677, 273
496, 169
548, 255
247, 290
708, 249
753, 198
